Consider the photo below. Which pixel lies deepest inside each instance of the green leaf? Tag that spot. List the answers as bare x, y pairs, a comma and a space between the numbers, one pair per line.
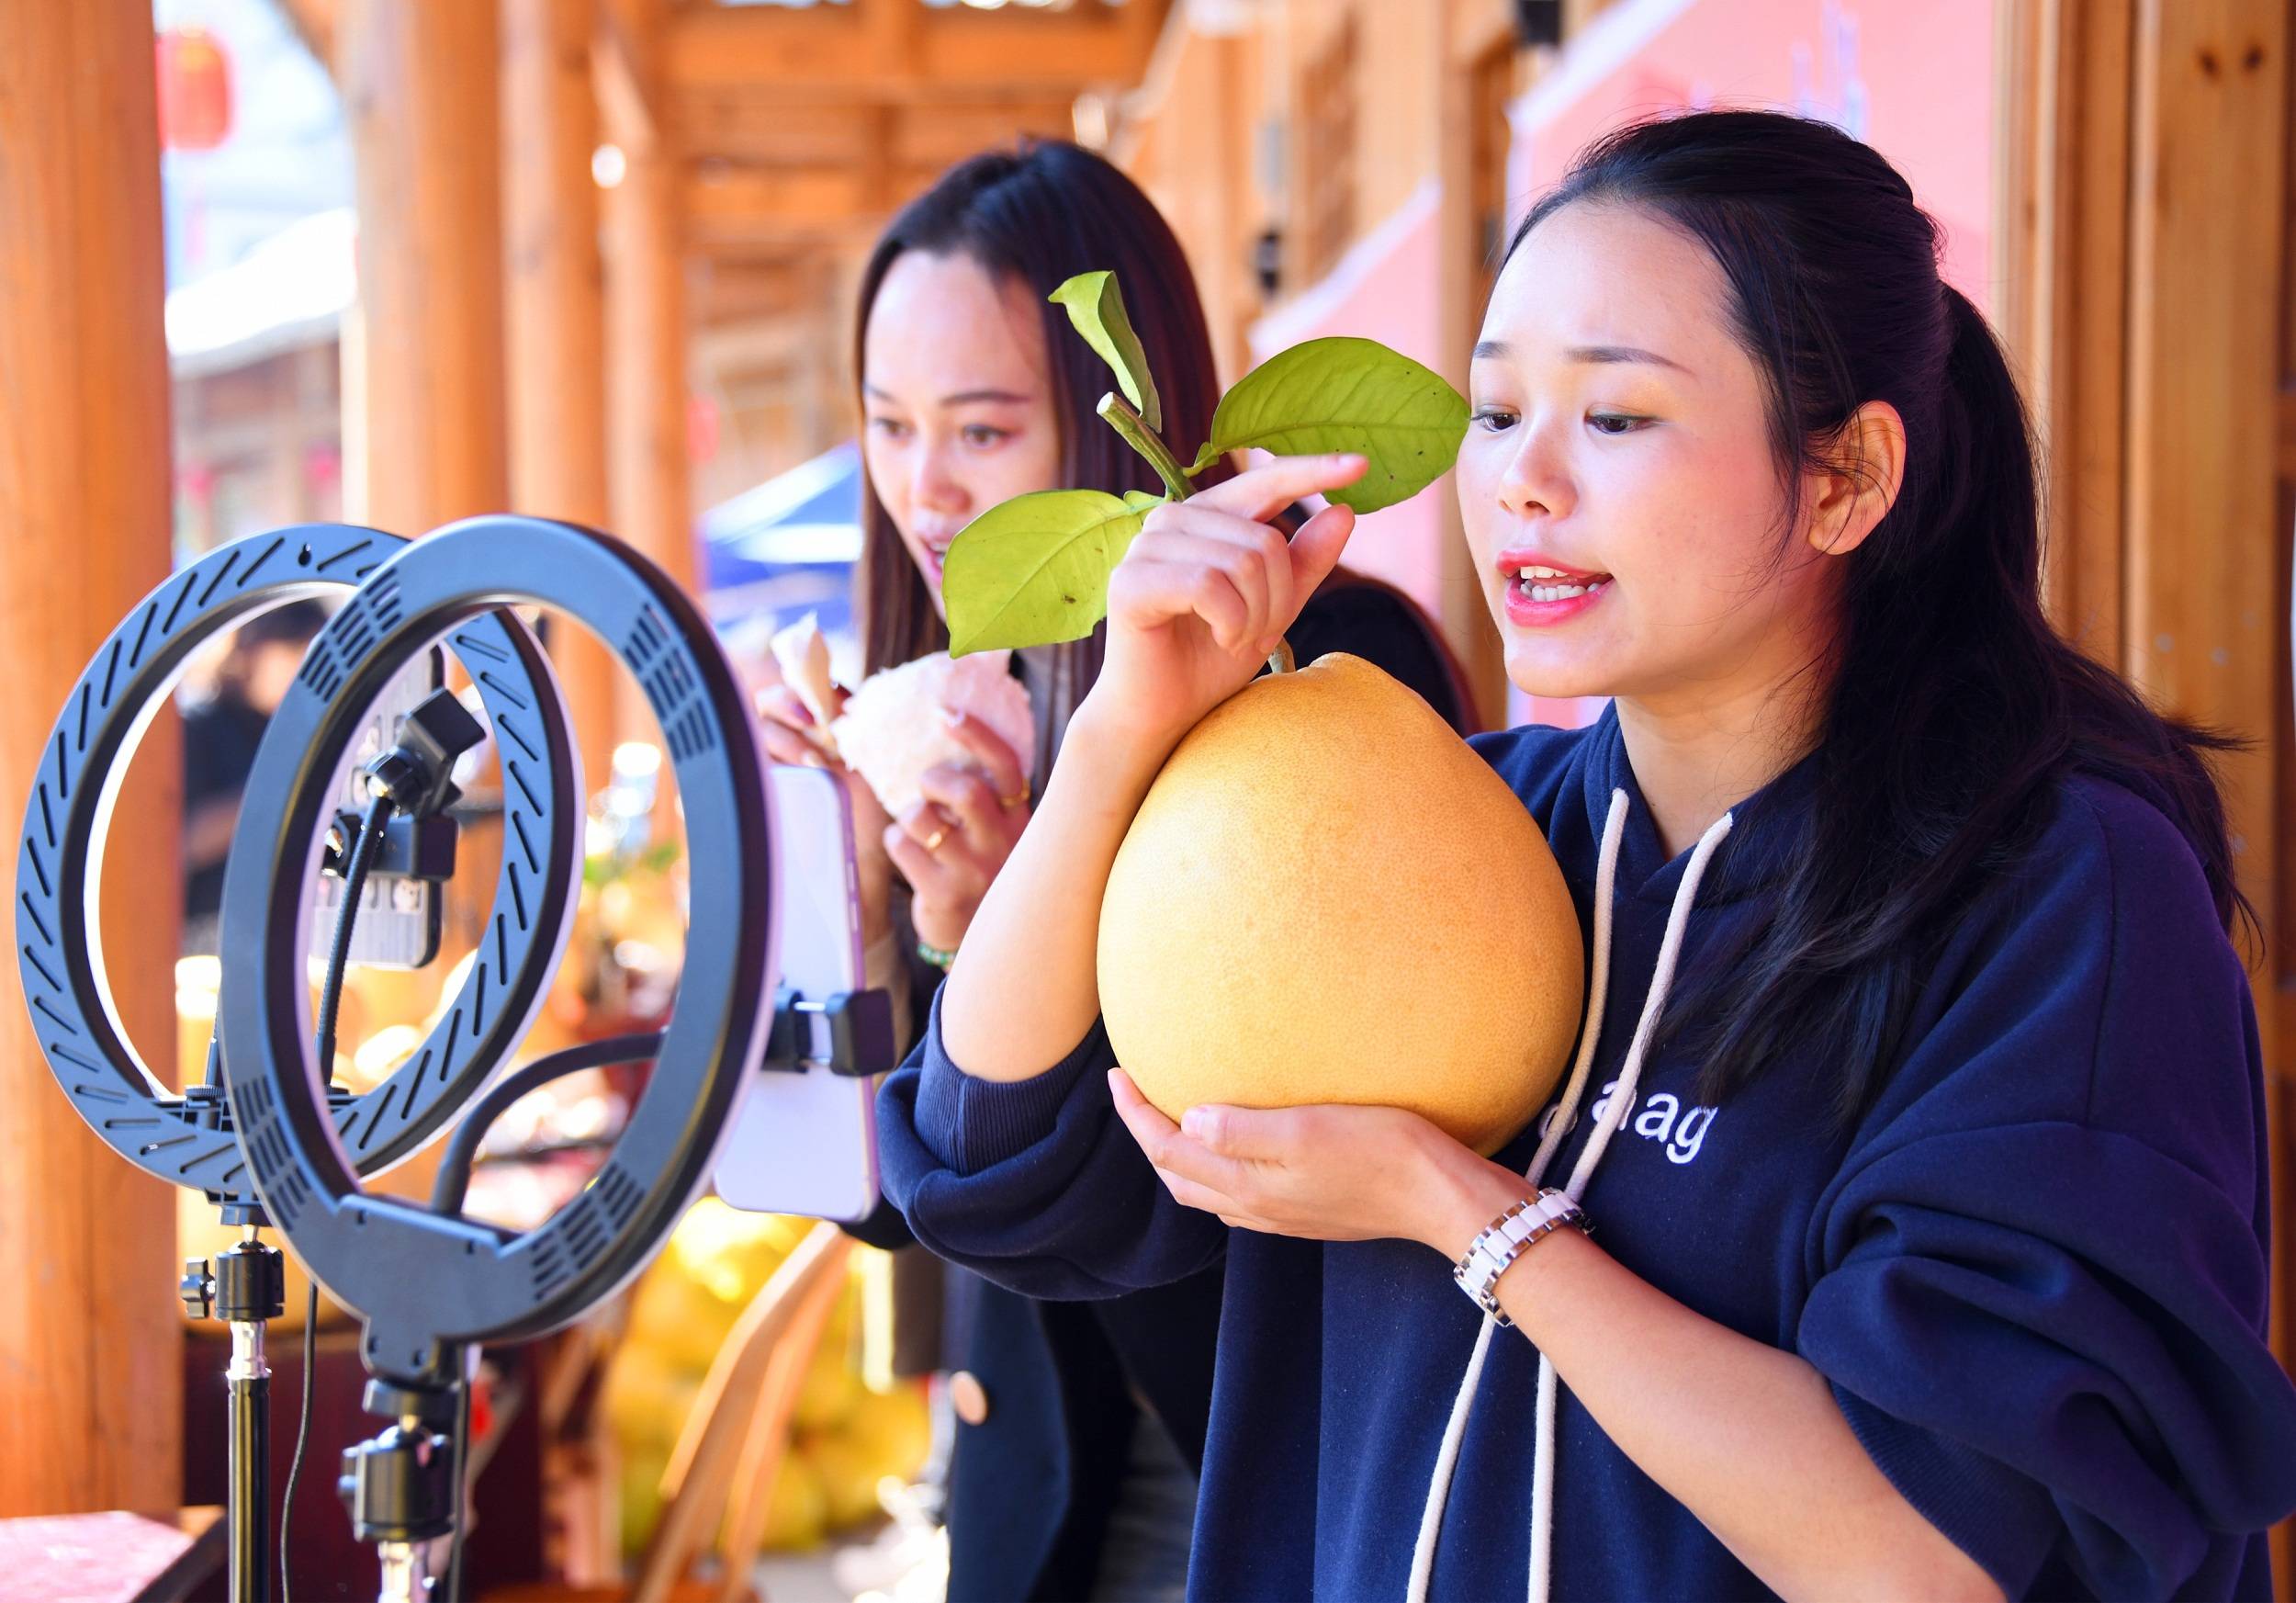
1141, 500
1034, 570
1096, 306
1346, 395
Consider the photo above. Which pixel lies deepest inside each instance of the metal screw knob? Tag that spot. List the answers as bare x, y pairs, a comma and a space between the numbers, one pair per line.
196, 1288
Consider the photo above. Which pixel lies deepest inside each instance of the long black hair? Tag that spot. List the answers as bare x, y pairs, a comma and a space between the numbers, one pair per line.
1954, 703
1039, 214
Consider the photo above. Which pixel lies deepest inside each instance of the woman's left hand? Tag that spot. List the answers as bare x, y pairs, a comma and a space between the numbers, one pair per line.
1328, 1173
950, 845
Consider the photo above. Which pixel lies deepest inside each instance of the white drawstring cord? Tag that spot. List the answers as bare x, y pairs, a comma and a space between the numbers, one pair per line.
1614, 1114
1566, 1112
1565, 1117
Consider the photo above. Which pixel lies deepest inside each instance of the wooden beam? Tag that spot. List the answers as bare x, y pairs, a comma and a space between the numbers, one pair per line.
2067, 101
1462, 94
751, 206
555, 296
842, 49
626, 75
646, 354
2204, 616
90, 1373
1477, 28
851, 130
739, 289
422, 97
315, 23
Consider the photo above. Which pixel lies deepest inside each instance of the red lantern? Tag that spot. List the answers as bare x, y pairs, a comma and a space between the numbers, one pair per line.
195, 90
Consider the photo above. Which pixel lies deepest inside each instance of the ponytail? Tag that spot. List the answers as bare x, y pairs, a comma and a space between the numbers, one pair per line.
1954, 706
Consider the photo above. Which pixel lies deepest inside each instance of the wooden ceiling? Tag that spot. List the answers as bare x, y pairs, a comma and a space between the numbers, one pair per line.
797, 133
801, 128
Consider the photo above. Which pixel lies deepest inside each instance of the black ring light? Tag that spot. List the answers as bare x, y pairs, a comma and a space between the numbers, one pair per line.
426, 1283
60, 953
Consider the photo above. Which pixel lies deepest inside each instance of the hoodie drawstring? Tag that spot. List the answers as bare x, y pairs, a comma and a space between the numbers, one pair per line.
1564, 1118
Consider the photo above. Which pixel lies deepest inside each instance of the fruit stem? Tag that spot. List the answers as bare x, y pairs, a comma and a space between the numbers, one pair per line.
1283, 662
1146, 441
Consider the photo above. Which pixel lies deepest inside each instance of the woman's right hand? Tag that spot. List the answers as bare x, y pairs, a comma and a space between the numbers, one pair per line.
788, 731
1202, 598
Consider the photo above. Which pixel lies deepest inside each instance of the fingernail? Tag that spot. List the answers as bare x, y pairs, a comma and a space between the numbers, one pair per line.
1193, 1123
952, 716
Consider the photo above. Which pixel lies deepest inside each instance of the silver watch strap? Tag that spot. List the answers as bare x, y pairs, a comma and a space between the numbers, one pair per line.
1506, 1238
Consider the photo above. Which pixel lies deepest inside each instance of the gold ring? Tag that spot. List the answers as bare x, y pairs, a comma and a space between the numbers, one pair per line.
1014, 800
933, 842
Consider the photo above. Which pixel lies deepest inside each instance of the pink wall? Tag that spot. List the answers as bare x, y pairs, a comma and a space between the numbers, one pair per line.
1383, 289
1914, 78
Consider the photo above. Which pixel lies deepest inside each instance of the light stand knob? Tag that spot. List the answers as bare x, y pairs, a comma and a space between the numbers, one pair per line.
197, 1287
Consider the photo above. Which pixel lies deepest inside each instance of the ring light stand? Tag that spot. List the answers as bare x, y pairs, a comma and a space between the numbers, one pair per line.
431, 1287
191, 1140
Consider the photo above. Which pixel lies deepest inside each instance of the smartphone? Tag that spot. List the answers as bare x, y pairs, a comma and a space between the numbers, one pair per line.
804, 1141
400, 919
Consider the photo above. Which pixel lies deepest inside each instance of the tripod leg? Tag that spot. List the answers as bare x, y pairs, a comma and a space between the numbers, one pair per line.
249, 1377
246, 1287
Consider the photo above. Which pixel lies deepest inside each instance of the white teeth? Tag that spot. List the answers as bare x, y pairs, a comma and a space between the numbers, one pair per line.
1557, 592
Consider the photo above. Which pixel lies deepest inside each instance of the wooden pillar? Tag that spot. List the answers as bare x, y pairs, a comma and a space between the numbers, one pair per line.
90, 1330
556, 307
2147, 213
2205, 611
646, 322
2066, 104
426, 423
1476, 46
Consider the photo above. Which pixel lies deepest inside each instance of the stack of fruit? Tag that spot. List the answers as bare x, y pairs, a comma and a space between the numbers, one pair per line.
846, 1437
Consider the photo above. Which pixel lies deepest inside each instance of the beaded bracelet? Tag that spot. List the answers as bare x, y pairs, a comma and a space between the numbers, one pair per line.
936, 957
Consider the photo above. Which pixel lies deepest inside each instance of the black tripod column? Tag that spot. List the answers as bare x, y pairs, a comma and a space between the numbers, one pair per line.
399, 1485
247, 1288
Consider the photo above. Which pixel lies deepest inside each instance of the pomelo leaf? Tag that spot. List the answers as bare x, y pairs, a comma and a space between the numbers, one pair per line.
1034, 570
1343, 394
1095, 305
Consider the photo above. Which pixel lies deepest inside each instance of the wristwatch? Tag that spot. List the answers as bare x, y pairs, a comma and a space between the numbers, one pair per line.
1508, 1238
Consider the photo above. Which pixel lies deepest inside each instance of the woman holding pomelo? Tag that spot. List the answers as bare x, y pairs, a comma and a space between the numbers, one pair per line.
1960, 1289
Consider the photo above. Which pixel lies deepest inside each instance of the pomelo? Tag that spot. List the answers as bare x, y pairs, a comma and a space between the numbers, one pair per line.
1328, 897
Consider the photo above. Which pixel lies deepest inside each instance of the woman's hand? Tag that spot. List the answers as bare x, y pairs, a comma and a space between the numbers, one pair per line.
788, 726
950, 845
1327, 1173
1207, 588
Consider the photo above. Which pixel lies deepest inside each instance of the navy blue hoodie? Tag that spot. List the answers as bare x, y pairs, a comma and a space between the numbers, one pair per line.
2035, 1274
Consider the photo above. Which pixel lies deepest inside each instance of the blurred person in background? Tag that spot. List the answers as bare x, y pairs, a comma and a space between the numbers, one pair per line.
223, 724
1074, 1472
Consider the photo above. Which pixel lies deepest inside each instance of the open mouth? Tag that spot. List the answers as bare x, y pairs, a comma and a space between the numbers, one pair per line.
1545, 582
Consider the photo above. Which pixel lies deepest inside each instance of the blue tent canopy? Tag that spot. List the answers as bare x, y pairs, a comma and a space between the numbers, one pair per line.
788, 545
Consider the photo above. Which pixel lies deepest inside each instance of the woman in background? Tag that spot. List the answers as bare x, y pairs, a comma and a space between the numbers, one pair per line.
1074, 1474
